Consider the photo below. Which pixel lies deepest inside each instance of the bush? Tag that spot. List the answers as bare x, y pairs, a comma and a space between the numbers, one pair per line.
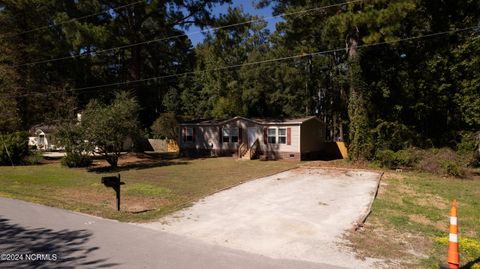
76, 160
108, 126
402, 158
406, 157
386, 158
34, 158
165, 126
393, 135
453, 169
442, 161
467, 144
13, 148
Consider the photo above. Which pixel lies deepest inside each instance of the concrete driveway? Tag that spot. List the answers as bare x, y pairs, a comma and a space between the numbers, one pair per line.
300, 214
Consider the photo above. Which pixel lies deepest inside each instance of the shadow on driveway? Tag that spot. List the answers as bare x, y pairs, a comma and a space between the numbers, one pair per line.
68, 245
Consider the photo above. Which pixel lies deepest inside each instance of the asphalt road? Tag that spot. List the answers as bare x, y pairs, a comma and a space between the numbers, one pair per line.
37, 236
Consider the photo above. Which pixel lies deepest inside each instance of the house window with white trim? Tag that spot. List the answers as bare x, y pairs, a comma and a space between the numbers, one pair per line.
282, 135
230, 135
272, 135
226, 135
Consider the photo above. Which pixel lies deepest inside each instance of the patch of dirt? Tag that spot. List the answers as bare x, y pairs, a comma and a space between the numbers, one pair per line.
101, 198
344, 164
134, 161
398, 250
141, 204
440, 225
80, 195
432, 200
320, 172
128, 158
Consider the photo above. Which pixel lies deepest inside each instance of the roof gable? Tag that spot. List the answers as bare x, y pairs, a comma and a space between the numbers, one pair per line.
279, 121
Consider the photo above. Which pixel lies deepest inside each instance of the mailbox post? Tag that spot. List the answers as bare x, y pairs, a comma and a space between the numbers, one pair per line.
114, 183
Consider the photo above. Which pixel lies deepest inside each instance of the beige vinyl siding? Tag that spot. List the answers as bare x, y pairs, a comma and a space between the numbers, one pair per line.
203, 135
312, 136
295, 140
305, 138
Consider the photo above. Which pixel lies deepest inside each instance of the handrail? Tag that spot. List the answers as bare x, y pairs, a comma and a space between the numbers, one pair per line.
253, 149
242, 151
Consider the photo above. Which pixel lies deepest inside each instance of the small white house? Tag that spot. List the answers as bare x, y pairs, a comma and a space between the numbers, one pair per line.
43, 138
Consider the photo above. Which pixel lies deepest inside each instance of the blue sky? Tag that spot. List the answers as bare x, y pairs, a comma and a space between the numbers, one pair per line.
248, 7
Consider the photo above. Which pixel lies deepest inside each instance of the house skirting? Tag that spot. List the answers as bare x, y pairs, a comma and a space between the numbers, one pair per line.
276, 155
271, 155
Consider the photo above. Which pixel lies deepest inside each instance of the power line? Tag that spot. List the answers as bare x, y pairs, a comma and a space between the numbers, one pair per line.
96, 52
73, 19
255, 63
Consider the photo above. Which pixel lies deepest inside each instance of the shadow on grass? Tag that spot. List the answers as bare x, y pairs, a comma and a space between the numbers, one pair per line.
471, 264
69, 247
143, 164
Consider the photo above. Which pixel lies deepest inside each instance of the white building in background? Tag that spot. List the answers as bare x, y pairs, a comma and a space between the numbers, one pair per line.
43, 138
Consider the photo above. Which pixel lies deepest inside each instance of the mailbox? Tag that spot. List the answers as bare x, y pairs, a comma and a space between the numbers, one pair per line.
115, 183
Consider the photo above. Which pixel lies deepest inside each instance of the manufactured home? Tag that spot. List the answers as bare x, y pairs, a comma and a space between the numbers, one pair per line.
291, 139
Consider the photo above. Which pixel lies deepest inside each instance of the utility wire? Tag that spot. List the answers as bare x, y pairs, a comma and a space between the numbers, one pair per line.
255, 63
96, 52
73, 19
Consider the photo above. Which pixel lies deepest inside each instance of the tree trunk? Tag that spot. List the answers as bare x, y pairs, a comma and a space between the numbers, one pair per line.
112, 160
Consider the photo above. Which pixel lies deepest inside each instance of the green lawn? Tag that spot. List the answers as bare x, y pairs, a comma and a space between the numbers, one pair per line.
151, 190
410, 223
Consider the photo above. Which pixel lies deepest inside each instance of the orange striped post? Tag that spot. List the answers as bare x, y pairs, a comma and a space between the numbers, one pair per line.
453, 259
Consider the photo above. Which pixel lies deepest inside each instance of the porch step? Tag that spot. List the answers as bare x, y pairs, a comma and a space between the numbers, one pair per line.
246, 156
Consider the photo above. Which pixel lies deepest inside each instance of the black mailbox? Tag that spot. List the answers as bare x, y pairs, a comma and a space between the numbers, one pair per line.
115, 183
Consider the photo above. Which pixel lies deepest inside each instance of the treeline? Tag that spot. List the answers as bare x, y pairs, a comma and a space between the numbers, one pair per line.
383, 74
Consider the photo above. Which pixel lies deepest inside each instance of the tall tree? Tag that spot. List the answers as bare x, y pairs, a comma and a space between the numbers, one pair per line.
128, 27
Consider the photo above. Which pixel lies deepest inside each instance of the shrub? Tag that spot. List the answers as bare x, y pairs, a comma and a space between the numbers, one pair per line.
402, 158
453, 169
386, 158
76, 160
34, 158
467, 144
393, 135
108, 126
13, 148
406, 157
70, 136
442, 161
165, 126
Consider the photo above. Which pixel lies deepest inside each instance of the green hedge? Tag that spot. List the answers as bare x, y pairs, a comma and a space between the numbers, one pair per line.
76, 160
13, 148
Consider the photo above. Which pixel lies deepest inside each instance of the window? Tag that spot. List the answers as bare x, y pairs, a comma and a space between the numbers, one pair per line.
234, 135
272, 135
230, 135
282, 136
226, 135
188, 134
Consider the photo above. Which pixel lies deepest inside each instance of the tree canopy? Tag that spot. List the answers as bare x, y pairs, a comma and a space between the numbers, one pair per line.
382, 74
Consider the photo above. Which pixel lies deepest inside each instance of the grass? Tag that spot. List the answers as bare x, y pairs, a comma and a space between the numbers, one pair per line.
409, 223
151, 191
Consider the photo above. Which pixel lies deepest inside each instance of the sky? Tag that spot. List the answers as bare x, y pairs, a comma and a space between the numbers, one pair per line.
248, 7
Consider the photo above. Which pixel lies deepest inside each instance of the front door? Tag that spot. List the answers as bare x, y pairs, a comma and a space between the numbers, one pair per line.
252, 135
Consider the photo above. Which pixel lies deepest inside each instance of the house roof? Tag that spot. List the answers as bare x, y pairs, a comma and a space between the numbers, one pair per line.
44, 127
261, 121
